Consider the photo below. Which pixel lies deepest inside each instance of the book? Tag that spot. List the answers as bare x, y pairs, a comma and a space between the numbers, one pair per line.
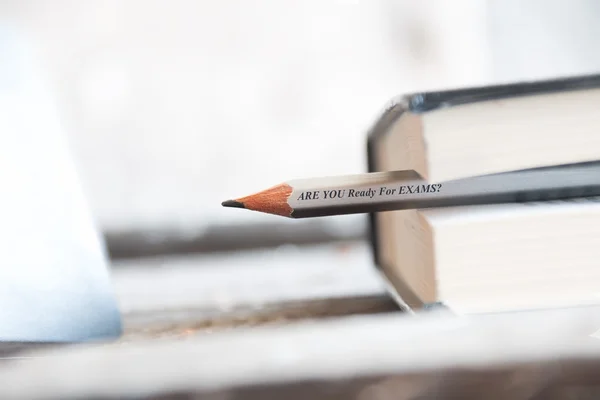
451, 135
456, 134
493, 258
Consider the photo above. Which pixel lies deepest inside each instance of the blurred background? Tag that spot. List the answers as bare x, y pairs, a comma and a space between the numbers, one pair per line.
171, 107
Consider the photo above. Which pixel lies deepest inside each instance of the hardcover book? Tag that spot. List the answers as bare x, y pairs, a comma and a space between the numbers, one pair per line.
484, 258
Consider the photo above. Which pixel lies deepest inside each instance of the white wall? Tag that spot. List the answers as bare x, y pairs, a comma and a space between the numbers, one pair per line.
173, 106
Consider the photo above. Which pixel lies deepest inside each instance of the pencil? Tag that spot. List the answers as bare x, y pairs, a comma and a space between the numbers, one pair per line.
400, 190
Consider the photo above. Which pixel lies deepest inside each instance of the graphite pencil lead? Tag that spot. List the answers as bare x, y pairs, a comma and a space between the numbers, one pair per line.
232, 203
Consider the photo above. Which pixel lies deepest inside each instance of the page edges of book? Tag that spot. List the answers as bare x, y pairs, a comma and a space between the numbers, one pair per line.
497, 136
507, 290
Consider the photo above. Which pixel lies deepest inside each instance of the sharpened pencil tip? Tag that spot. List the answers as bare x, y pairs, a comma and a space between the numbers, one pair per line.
269, 201
232, 203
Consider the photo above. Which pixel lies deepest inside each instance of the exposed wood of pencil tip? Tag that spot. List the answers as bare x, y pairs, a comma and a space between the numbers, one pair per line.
270, 201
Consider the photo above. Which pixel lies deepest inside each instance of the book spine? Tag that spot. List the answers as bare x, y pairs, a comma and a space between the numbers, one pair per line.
391, 113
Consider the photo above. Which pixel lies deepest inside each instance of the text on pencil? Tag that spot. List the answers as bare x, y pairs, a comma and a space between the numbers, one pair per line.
369, 192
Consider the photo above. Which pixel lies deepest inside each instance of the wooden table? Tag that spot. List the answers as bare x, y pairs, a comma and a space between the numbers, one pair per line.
325, 331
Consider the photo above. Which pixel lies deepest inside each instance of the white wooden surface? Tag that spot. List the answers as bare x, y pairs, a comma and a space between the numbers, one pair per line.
222, 283
347, 348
